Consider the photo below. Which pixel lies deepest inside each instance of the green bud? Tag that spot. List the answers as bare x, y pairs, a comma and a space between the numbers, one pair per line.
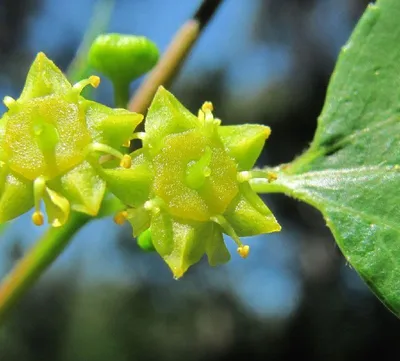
145, 241
51, 139
194, 186
123, 58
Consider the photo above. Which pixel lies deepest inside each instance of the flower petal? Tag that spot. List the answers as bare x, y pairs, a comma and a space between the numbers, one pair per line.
44, 78
110, 126
180, 244
216, 250
244, 142
249, 216
131, 186
139, 218
84, 188
166, 116
16, 196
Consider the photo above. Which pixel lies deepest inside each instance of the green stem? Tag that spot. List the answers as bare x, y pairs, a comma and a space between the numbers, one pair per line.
38, 258
174, 57
121, 94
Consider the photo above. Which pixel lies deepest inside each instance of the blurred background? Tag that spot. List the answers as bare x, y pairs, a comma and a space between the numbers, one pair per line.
259, 61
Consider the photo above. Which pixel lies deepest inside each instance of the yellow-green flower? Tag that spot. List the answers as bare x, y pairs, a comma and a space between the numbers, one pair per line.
51, 139
189, 184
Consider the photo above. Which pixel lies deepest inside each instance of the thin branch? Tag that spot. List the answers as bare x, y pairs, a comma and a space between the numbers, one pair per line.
32, 265
174, 56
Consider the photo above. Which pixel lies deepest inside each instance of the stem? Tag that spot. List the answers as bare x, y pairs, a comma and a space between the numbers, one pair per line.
121, 94
38, 258
174, 56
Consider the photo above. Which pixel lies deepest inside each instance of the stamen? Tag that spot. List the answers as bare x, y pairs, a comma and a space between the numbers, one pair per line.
242, 249
93, 80
245, 176
207, 107
126, 160
121, 217
37, 218
39, 186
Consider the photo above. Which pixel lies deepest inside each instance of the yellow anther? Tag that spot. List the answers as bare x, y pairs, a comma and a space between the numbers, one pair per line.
121, 217
94, 81
127, 144
207, 107
243, 251
126, 161
271, 176
37, 218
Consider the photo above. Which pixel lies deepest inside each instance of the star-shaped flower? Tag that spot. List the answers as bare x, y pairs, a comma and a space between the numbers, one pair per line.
51, 139
189, 184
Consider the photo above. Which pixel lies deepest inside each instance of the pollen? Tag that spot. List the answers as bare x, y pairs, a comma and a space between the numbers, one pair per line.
243, 251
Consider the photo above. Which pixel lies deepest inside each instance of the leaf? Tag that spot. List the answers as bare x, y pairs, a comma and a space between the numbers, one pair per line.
351, 172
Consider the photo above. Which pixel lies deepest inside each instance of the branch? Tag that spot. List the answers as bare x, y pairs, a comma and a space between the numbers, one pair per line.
42, 254
174, 56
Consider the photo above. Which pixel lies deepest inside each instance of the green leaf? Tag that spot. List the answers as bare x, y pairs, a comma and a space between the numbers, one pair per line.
351, 172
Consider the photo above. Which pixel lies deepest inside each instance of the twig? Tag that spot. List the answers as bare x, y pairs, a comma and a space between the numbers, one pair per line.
174, 56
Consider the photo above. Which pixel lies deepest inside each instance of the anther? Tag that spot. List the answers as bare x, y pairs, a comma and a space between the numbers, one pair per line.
207, 107
243, 251
121, 217
126, 161
271, 176
37, 218
94, 81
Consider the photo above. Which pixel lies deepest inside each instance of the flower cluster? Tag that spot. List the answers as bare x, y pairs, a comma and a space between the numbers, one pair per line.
51, 139
183, 189
188, 184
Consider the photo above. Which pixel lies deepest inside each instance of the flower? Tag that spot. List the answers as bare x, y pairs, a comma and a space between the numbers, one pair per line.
51, 139
188, 184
